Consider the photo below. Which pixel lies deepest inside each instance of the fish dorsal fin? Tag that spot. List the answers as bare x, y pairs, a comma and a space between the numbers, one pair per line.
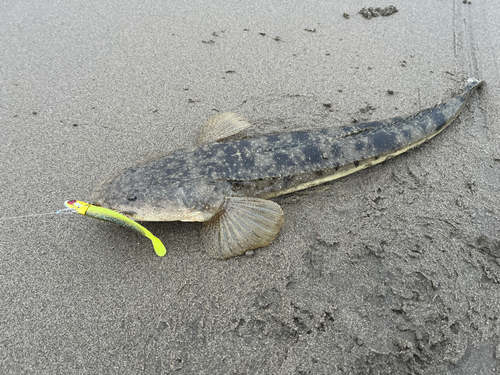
240, 225
221, 126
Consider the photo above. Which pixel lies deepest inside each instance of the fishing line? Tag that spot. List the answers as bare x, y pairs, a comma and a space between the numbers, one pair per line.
65, 211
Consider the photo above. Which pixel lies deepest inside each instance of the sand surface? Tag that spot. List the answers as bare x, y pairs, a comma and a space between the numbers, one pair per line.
395, 269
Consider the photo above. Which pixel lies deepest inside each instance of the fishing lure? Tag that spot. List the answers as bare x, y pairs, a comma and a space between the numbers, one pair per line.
106, 214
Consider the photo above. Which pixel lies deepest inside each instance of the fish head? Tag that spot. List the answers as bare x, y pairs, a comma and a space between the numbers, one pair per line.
78, 206
150, 199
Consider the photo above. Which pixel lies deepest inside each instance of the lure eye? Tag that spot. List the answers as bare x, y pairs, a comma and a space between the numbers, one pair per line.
71, 202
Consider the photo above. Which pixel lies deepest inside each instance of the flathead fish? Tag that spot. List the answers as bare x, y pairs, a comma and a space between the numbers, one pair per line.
227, 183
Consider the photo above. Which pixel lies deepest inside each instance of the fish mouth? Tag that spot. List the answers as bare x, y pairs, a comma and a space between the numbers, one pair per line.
106, 196
103, 193
97, 196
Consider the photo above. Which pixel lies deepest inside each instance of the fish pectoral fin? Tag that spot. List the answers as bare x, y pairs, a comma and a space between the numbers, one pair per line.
240, 225
221, 126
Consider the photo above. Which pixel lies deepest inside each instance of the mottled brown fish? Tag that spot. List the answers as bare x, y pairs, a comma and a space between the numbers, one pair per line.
226, 184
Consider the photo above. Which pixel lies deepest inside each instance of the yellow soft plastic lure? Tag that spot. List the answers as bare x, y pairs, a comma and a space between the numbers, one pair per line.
106, 214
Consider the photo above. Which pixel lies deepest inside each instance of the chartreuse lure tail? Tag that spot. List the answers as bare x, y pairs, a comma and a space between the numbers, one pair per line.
106, 214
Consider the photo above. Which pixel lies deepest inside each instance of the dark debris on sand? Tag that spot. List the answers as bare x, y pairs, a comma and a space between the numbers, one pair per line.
370, 12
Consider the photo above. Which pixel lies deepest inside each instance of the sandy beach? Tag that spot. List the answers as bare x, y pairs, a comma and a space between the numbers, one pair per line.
392, 270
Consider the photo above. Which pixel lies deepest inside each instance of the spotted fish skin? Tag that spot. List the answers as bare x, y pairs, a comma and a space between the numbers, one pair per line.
275, 165
195, 184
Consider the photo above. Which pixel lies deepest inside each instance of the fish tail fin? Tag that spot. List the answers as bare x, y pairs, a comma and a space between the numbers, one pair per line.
472, 84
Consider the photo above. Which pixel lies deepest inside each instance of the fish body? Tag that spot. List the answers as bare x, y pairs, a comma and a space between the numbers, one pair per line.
101, 213
226, 184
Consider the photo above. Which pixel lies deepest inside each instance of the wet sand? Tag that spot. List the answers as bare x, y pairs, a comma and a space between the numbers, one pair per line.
395, 269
